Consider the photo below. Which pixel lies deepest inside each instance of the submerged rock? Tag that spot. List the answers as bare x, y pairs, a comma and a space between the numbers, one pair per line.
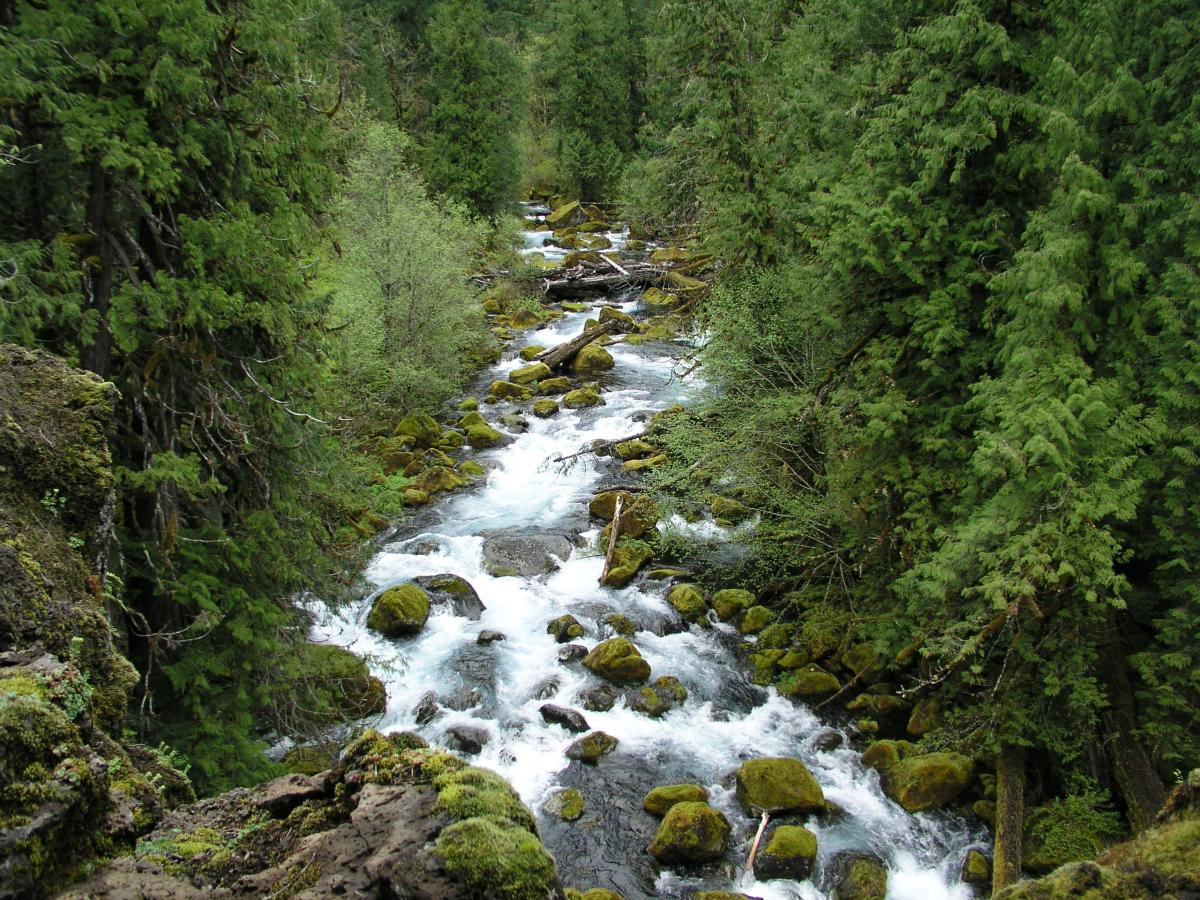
399, 611
569, 653
467, 738
618, 661
777, 785
661, 799
599, 699
691, 833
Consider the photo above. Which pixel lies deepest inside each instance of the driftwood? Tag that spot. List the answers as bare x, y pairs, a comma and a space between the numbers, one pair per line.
557, 357
762, 826
613, 534
586, 285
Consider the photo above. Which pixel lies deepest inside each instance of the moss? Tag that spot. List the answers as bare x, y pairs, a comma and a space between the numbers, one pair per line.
567, 805
728, 510
506, 390
659, 698
482, 436
341, 683
688, 601
583, 397
863, 879
421, 427
779, 784
471, 469
635, 449
929, 780
764, 663
414, 497
470, 404
399, 611
810, 681
451, 440
617, 660
976, 869
882, 755
789, 853
661, 799
641, 465
529, 374
472, 418
469, 792
755, 619
309, 760
497, 859
925, 716
531, 352
731, 601
628, 558
591, 747
545, 408
691, 832
554, 386
564, 628
794, 659
621, 624
775, 637
438, 479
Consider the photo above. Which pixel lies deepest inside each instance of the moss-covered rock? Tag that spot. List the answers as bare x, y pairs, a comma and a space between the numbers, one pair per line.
549, 387
604, 504
635, 449
755, 619
976, 868
524, 318
778, 784
764, 664
591, 360
859, 877
531, 352
451, 440
628, 558
472, 418
794, 659
685, 285
591, 747
775, 637
341, 682
882, 755
468, 404
658, 699
545, 408
925, 716
506, 390
438, 479
529, 374
612, 314
621, 624
641, 465
483, 436
495, 858
399, 611
726, 510
617, 660
638, 516
583, 397
688, 601
661, 799
567, 804
414, 496
881, 706
565, 628
421, 427
468, 792
808, 682
567, 215
929, 780
729, 602
471, 469
691, 833
790, 852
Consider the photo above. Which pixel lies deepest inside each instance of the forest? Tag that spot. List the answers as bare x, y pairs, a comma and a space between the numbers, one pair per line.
949, 326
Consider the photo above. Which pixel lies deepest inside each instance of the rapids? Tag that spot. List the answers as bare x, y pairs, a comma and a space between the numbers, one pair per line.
725, 720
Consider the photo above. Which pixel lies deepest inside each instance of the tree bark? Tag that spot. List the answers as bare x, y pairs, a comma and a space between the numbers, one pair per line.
613, 534
586, 285
1139, 784
96, 356
1010, 817
557, 357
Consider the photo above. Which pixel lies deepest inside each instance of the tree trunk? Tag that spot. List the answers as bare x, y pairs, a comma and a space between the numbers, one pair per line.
1010, 817
96, 355
587, 285
557, 357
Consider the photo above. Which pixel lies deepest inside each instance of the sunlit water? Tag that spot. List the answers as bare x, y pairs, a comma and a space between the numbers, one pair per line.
725, 720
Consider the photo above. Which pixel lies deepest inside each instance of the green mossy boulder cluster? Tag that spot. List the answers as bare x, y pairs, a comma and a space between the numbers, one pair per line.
661, 799
919, 781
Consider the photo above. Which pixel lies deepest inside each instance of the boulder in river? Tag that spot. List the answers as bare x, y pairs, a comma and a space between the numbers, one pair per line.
789, 853
487, 636
599, 699
570, 719
551, 386
545, 407
618, 661
467, 738
591, 747
628, 559
427, 708
524, 552
569, 653
856, 876
483, 436
755, 619
621, 624
506, 390
689, 603
567, 804
592, 360
776, 785
438, 479
529, 374
399, 611
588, 395
531, 352
659, 698
565, 628
453, 591
691, 833
810, 681
421, 427
661, 799
929, 780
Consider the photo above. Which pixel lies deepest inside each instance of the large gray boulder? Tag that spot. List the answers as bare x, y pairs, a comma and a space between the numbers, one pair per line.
524, 552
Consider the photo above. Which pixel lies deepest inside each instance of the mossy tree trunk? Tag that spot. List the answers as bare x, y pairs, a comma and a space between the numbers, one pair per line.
1010, 817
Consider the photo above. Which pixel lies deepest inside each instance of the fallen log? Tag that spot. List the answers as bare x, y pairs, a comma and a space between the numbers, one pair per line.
557, 357
613, 534
586, 285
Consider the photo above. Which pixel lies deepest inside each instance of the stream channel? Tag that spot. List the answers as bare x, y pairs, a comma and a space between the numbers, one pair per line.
501, 686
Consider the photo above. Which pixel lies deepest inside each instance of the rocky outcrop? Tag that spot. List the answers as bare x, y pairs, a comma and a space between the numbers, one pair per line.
524, 552
394, 818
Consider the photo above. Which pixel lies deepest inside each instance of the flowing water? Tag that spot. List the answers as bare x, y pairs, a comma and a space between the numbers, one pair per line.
724, 721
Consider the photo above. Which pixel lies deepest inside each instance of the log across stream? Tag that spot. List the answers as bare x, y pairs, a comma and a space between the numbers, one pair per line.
493, 692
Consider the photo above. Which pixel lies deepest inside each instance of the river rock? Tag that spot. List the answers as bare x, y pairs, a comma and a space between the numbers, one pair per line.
463, 698
506, 390
467, 738
591, 360
827, 741
976, 868
925, 716
399, 611
565, 628
580, 398
454, 591
590, 748
569, 653
421, 427
567, 215
852, 875
560, 384
604, 504
545, 407
635, 449
729, 602
755, 619
427, 708
567, 804
611, 313
661, 799
790, 853
546, 688
529, 374
568, 718
928, 781
689, 603
627, 560
621, 624
438, 479
489, 637
811, 681
691, 833
524, 552
659, 698
777, 785
618, 661
483, 436
599, 699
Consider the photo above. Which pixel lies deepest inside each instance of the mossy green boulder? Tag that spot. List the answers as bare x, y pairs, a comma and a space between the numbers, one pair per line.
468, 404
929, 780
628, 559
471, 469
790, 852
635, 449
618, 661
566, 215
451, 440
591, 747
657, 699
529, 374
775, 637
583, 397
641, 465
483, 436
807, 682
545, 408
976, 868
778, 785
764, 663
506, 390
621, 624
530, 353
495, 858
691, 833
755, 619
471, 419
591, 360
560, 384
612, 314
860, 878
688, 601
565, 628
399, 611
604, 504
925, 715
438, 479
661, 799
567, 804
421, 427
728, 602
726, 509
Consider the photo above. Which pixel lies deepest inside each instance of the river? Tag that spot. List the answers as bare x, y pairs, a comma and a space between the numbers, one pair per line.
724, 721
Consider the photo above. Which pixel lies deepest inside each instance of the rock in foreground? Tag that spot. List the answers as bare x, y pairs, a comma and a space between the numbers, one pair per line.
691, 833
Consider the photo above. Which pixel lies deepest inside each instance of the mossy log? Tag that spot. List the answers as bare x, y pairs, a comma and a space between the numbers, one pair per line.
557, 357
1010, 817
